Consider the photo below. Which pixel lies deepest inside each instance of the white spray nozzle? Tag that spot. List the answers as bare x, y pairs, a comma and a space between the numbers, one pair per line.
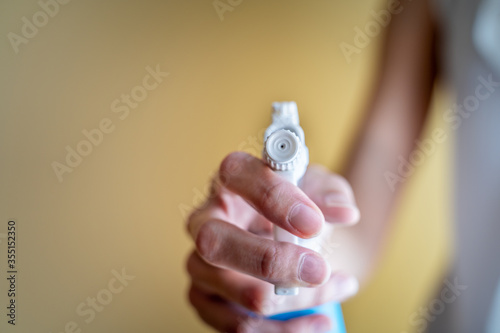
282, 150
286, 153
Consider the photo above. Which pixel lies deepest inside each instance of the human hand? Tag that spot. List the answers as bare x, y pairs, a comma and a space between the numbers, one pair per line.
236, 261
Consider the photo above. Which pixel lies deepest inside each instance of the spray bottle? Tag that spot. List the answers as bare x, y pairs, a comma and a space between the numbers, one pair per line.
286, 153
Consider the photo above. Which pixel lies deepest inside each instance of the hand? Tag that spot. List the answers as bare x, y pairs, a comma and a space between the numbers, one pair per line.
236, 261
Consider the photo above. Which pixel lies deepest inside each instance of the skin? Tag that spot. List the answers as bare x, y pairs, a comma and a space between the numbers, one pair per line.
235, 258
235, 261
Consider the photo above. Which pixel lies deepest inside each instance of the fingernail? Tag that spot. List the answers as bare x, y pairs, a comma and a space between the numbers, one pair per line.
335, 199
313, 269
305, 219
322, 325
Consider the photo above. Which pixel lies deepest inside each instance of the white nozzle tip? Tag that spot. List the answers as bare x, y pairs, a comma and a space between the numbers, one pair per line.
282, 149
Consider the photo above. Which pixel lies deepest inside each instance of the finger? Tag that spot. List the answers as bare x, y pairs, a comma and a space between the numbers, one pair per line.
221, 204
333, 195
215, 312
227, 318
278, 200
224, 245
253, 294
233, 286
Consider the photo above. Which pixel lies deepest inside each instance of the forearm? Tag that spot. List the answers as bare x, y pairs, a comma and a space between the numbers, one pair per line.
376, 198
396, 116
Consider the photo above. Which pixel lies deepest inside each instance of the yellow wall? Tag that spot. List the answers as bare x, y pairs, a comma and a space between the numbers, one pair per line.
121, 207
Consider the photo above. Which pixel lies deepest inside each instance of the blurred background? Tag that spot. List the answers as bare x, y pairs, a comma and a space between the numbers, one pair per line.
143, 161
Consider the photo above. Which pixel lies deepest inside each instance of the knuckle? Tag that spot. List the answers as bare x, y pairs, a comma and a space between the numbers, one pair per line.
271, 196
230, 166
207, 241
268, 262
